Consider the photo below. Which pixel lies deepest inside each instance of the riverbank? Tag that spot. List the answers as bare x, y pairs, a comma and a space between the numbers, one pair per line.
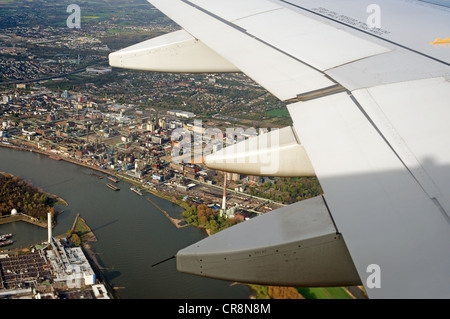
57, 200
176, 222
24, 218
81, 228
18, 201
132, 234
87, 236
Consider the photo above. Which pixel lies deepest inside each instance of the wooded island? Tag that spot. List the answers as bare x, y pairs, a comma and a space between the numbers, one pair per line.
19, 195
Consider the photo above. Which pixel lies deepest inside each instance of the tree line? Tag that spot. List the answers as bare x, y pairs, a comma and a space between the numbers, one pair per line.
204, 216
17, 194
287, 190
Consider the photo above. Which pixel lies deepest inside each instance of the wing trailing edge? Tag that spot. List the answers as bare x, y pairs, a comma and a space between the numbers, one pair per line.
297, 245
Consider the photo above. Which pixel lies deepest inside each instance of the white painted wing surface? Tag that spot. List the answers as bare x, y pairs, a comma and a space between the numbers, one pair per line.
371, 109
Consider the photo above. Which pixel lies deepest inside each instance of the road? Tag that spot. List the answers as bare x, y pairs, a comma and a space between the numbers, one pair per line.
54, 76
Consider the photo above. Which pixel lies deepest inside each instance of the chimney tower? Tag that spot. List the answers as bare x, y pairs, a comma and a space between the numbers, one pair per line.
224, 199
49, 218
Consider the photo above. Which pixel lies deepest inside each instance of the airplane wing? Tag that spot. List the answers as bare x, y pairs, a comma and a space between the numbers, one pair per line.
368, 88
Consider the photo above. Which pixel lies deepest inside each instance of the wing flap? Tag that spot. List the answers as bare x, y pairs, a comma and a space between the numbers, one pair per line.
422, 143
313, 42
297, 245
385, 216
281, 74
232, 10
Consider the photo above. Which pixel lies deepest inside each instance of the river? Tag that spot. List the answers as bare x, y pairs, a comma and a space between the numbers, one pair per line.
132, 234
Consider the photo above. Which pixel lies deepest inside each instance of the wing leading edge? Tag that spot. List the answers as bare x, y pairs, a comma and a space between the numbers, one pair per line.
369, 110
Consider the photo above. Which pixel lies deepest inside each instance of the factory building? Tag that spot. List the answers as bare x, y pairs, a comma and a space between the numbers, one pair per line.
71, 265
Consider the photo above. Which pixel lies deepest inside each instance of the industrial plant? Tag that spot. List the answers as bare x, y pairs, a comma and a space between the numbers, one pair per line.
53, 269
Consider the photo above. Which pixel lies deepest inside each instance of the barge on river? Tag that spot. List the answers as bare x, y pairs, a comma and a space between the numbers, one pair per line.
114, 179
113, 187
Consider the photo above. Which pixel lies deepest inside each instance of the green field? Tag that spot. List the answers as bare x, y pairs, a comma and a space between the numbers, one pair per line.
278, 113
324, 293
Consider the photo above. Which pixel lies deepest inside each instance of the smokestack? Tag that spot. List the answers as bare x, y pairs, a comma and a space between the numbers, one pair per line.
224, 205
49, 218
